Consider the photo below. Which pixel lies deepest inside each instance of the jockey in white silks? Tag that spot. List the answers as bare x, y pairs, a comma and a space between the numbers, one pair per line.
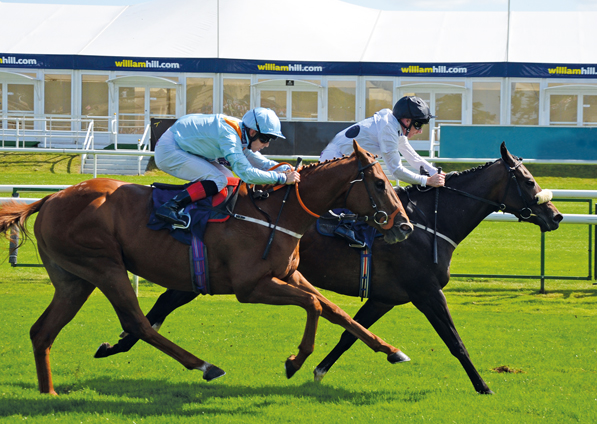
386, 134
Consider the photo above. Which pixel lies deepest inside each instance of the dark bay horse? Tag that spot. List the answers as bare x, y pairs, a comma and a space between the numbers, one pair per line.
406, 272
90, 234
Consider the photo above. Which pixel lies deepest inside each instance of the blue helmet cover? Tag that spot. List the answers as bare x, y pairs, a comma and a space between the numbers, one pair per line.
268, 121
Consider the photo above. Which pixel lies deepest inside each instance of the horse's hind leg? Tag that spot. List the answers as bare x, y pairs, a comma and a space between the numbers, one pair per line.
71, 293
164, 306
369, 313
117, 288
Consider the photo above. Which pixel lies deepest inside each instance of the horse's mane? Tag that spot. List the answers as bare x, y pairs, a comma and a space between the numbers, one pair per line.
473, 169
326, 162
460, 173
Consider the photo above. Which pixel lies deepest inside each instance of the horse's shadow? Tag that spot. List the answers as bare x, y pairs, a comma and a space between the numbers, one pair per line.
146, 398
480, 291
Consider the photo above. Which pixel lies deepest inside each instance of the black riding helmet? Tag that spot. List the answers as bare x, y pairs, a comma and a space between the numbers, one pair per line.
413, 108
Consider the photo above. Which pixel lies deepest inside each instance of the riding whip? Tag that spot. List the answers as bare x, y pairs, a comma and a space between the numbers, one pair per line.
435, 259
271, 237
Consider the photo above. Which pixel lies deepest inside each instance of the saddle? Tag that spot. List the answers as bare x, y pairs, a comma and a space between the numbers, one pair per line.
341, 223
217, 208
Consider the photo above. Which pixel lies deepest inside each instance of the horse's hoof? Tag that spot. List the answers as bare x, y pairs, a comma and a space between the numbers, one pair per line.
486, 391
102, 351
318, 375
290, 370
213, 372
397, 357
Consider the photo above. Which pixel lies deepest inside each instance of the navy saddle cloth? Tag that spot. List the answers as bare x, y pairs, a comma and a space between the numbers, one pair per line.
212, 209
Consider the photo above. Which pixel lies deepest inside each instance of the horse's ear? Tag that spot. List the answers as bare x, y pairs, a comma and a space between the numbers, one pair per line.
358, 150
506, 156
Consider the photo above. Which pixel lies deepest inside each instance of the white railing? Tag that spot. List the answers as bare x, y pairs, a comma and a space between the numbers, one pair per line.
47, 130
434, 142
89, 145
144, 145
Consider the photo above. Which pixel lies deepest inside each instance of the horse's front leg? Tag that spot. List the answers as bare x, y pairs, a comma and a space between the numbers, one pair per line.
336, 315
434, 306
164, 306
369, 313
273, 291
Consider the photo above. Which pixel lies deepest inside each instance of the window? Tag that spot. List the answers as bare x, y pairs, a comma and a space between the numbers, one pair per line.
95, 100
57, 95
524, 108
20, 97
378, 96
276, 101
237, 97
486, 103
162, 102
563, 109
341, 100
304, 105
94, 95
589, 109
200, 95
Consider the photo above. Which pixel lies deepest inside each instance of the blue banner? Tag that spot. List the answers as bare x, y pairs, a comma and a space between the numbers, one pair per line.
552, 70
283, 67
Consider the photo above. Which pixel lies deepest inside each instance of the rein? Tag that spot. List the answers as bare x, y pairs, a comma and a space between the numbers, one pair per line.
386, 221
524, 213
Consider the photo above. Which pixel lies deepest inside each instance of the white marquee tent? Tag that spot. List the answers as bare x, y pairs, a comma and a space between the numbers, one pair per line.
329, 31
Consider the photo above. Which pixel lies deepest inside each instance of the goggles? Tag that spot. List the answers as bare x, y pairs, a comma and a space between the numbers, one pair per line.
266, 138
418, 124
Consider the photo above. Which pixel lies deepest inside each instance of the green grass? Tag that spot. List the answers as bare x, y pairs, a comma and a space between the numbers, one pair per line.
547, 340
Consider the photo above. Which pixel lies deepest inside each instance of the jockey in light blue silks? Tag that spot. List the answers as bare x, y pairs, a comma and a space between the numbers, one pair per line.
193, 147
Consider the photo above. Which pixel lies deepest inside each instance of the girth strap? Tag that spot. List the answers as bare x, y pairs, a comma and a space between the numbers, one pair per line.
440, 235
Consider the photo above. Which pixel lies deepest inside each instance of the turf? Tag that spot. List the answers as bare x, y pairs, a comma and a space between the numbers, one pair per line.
537, 352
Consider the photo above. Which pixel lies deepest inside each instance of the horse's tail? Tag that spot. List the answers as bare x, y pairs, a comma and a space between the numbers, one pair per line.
14, 213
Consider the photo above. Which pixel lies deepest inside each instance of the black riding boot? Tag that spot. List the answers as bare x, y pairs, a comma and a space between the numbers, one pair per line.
349, 235
168, 212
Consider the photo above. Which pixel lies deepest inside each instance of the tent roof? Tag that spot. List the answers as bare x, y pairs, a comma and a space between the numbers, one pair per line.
310, 30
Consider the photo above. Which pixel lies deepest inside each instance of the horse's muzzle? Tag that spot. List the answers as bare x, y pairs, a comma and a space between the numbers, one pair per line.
398, 233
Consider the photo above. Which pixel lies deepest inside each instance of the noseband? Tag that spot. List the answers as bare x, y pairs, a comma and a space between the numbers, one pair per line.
381, 218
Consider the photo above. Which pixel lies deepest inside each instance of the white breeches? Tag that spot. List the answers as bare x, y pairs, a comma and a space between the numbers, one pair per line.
173, 160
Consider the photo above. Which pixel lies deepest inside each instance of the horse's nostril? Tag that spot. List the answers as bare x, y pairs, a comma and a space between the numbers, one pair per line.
406, 228
558, 218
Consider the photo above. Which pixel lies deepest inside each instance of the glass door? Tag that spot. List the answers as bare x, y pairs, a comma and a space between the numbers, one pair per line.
17, 101
291, 99
137, 105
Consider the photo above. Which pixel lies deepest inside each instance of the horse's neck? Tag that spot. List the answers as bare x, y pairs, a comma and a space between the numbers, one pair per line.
323, 188
457, 214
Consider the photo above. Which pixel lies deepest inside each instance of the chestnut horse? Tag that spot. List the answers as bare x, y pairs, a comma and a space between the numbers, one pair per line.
91, 234
406, 272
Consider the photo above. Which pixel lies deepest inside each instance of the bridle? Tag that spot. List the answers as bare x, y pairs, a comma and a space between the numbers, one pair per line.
523, 213
380, 217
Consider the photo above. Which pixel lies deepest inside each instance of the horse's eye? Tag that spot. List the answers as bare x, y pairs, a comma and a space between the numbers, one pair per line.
530, 183
380, 184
